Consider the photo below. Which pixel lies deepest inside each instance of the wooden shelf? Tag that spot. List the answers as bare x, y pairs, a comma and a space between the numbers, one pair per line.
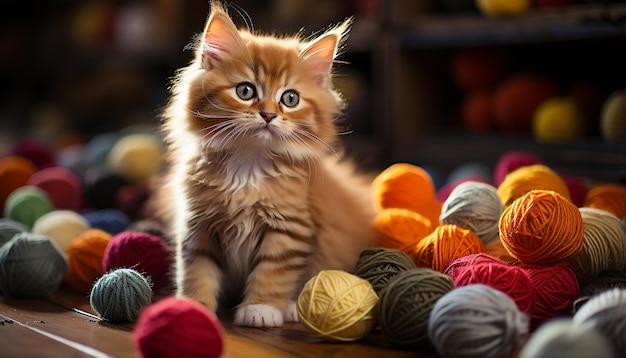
580, 22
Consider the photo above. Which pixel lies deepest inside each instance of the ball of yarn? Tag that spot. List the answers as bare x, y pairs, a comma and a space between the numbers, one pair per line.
560, 338
605, 313
604, 245
542, 227
131, 200
62, 186
406, 303
27, 204
613, 117
379, 265
444, 245
137, 157
178, 327
14, 173
84, 257
38, 152
101, 187
508, 279
608, 197
477, 111
406, 186
474, 206
31, 266
556, 288
141, 251
112, 221
478, 69
118, 296
8, 229
577, 189
607, 280
517, 97
337, 306
476, 321
512, 160
532, 177
62, 226
97, 149
401, 229
558, 119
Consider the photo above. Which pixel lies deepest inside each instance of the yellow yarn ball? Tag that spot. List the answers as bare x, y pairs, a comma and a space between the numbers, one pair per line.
137, 157
503, 8
337, 306
558, 119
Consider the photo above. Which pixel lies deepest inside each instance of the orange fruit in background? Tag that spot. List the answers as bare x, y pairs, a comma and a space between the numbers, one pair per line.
477, 111
518, 96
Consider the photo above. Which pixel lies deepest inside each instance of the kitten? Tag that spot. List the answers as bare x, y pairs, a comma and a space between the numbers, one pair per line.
258, 198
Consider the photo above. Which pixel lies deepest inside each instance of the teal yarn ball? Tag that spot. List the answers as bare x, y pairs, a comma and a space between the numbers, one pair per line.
118, 296
379, 265
477, 321
560, 338
31, 266
405, 305
27, 204
8, 229
606, 313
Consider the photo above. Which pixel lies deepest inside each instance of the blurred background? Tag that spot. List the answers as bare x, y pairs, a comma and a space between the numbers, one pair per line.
446, 84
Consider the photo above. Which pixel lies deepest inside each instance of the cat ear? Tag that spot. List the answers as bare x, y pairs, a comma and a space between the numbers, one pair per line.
220, 39
321, 52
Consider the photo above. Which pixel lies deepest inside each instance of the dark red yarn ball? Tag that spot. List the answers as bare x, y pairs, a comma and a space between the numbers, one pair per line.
484, 269
141, 251
178, 327
556, 289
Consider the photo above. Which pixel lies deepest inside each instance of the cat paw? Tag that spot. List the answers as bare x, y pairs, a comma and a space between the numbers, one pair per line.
258, 315
291, 313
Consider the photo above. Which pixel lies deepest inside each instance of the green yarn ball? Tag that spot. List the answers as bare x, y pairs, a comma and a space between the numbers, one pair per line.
379, 265
27, 204
405, 305
118, 296
31, 266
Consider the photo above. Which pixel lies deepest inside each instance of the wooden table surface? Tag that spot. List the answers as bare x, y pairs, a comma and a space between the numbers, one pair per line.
64, 325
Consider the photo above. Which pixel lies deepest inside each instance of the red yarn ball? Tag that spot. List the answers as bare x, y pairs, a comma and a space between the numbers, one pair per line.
512, 160
141, 251
487, 270
178, 327
577, 189
556, 288
62, 186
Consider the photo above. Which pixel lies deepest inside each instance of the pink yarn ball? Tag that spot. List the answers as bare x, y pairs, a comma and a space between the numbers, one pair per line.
577, 190
142, 252
556, 289
512, 160
178, 327
487, 270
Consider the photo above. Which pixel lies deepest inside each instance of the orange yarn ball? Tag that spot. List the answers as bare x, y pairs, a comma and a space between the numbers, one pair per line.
542, 227
476, 111
85, 255
527, 178
444, 245
406, 186
473, 68
607, 197
14, 173
401, 229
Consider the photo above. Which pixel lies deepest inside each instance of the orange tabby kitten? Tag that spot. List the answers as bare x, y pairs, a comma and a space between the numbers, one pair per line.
258, 198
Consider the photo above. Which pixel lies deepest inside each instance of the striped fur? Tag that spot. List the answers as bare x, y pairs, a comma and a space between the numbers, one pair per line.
257, 207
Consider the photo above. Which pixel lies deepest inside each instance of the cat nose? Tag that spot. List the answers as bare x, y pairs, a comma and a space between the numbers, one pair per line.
267, 116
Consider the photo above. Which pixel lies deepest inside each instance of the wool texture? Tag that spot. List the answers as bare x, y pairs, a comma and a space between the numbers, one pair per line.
62, 226
178, 328
608, 197
401, 229
477, 321
533, 177
379, 265
607, 280
512, 160
8, 229
444, 245
84, 256
542, 227
337, 306
27, 204
406, 303
119, 295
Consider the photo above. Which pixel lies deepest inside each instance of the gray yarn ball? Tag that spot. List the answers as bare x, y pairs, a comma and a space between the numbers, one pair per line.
606, 313
560, 338
8, 229
477, 321
31, 266
118, 296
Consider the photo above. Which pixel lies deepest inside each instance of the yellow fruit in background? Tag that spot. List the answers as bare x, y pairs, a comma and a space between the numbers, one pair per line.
613, 117
557, 119
501, 8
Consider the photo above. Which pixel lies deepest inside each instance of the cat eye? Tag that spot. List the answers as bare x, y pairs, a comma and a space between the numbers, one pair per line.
290, 98
246, 91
